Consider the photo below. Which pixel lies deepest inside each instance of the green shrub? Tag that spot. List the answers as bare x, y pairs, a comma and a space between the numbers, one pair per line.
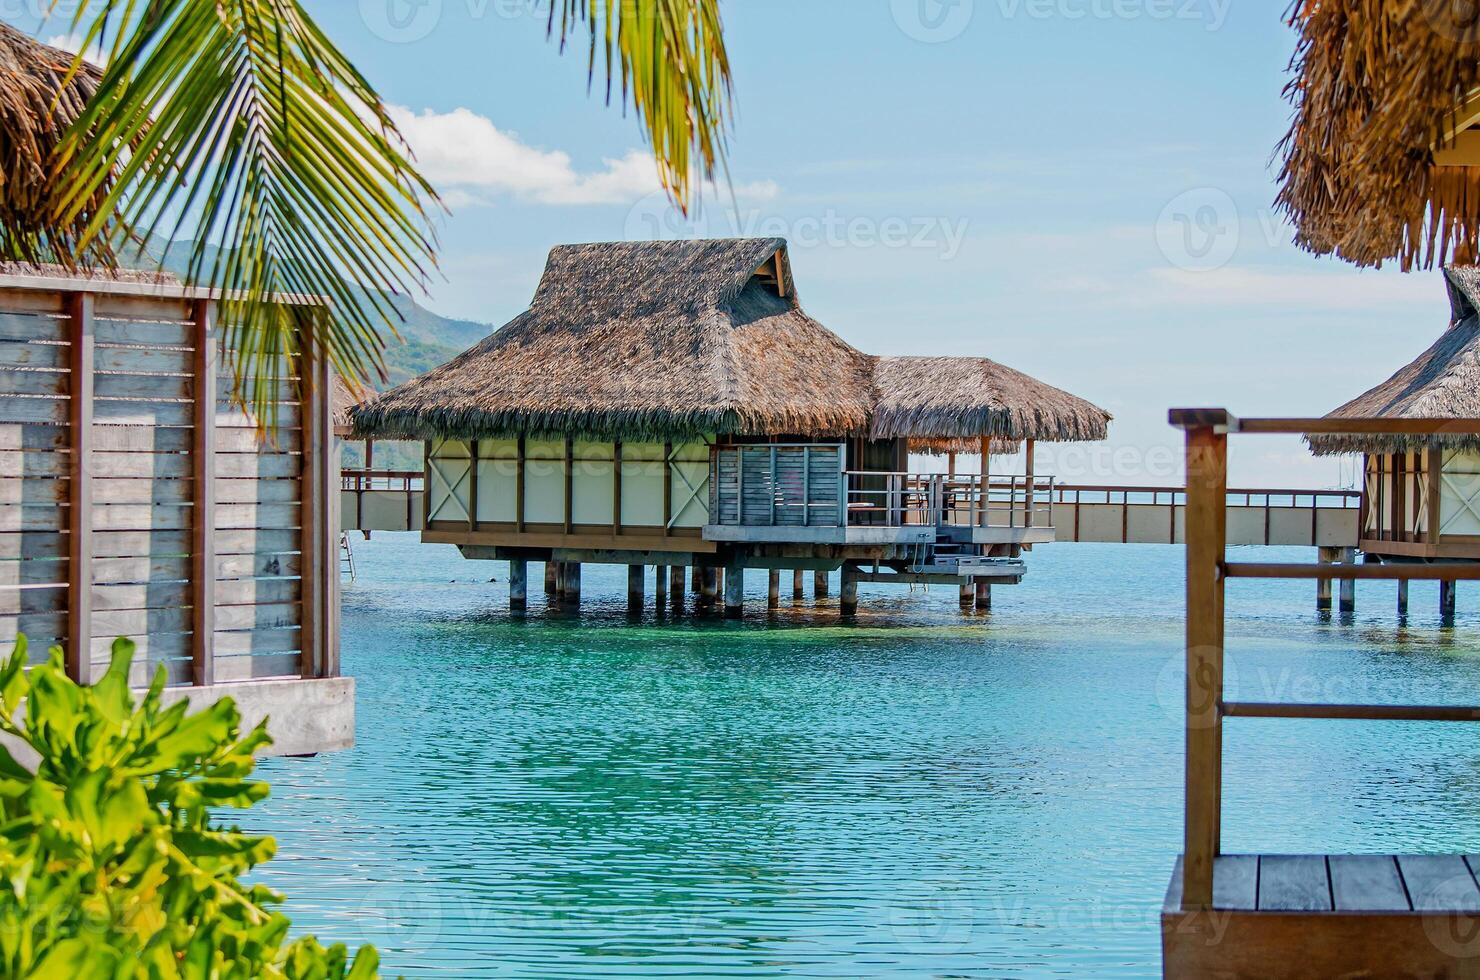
111, 862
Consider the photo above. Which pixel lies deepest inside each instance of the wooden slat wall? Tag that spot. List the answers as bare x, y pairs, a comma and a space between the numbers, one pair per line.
120, 515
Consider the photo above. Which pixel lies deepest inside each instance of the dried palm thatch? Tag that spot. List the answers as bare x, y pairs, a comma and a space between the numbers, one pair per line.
965, 397
1443, 383
644, 340
670, 340
40, 97
945, 447
1378, 85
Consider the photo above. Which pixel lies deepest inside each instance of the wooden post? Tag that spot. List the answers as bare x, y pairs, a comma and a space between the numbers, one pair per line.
735, 590
518, 585
675, 585
320, 639
636, 587
985, 500
697, 580
571, 585
1207, 529
1031, 483
983, 595
203, 520
1348, 586
1403, 599
552, 578
773, 588
968, 593
79, 515
1327, 556
798, 577
819, 584
708, 585
848, 590
660, 587
1446, 600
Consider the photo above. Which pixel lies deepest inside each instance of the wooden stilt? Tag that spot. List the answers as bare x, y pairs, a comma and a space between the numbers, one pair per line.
1402, 600
1446, 600
636, 586
552, 577
571, 586
708, 585
675, 585
983, 595
1327, 556
518, 585
1348, 597
697, 584
968, 593
848, 590
819, 584
798, 577
773, 588
734, 591
660, 587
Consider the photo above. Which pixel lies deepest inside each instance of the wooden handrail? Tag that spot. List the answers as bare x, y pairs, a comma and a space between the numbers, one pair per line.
1389, 572
1351, 712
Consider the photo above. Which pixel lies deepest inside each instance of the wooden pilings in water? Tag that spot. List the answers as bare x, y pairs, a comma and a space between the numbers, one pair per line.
675, 585
734, 591
636, 585
1347, 587
848, 590
1402, 599
1446, 600
983, 595
797, 578
773, 588
819, 584
518, 585
968, 594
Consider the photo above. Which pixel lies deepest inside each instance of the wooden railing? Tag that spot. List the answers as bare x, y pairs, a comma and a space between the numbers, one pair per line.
933, 499
405, 481
1208, 570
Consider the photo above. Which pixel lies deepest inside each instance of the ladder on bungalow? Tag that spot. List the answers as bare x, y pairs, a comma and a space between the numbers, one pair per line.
346, 557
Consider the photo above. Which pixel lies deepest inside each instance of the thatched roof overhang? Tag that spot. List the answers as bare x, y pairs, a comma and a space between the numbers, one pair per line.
1382, 160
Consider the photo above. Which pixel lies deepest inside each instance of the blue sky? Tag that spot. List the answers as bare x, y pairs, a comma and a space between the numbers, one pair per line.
1081, 189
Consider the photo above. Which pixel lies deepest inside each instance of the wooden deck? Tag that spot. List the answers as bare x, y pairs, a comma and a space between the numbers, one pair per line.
1350, 915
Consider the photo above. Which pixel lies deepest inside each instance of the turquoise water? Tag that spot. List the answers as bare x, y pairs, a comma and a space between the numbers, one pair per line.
921, 793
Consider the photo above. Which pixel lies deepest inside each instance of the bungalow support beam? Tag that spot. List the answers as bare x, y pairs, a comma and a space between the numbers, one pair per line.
1326, 556
773, 588
983, 595
660, 587
968, 594
636, 586
848, 590
735, 590
518, 585
571, 584
675, 585
798, 578
819, 584
1403, 599
1447, 600
708, 585
552, 578
1348, 599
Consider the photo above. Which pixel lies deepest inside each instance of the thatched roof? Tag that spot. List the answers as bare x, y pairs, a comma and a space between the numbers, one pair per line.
663, 339
37, 105
935, 398
1378, 86
1442, 383
668, 340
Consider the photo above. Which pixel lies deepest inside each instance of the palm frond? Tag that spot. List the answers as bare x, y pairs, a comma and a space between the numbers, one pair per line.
239, 124
669, 58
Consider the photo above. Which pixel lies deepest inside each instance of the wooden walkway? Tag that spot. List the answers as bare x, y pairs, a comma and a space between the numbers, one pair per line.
1344, 883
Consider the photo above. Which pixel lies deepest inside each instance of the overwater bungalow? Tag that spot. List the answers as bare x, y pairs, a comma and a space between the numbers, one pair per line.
671, 404
1421, 492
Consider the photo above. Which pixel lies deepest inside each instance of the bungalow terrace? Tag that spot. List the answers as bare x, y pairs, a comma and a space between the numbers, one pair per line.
671, 404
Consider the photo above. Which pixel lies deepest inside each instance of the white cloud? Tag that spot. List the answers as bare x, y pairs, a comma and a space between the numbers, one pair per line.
469, 160
73, 42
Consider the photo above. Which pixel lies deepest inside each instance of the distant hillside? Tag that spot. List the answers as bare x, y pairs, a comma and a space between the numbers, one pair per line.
428, 339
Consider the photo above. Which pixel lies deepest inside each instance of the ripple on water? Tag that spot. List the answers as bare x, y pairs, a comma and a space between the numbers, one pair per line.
916, 794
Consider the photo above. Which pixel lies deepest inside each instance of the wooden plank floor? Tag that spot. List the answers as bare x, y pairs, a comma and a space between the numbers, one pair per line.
1347, 883
1292, 917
